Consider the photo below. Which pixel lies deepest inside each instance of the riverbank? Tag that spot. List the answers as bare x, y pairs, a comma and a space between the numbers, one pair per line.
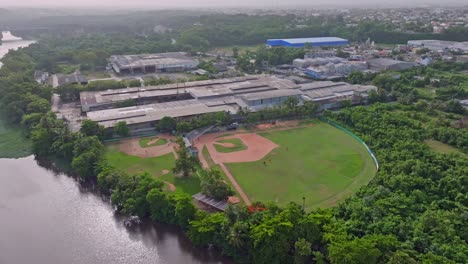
49, 216
13, 143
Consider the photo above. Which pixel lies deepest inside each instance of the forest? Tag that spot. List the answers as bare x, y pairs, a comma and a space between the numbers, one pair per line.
89, 40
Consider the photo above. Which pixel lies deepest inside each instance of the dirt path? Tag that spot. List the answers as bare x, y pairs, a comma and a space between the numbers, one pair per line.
236, 185
171, 186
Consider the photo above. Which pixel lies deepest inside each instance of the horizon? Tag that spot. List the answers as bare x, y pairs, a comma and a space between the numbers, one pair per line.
203, 4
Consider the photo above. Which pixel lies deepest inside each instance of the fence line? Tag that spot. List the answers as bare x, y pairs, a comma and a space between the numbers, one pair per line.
354, 136
149, 134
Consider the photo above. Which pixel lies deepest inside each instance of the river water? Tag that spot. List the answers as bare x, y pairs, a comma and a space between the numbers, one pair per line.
49, 217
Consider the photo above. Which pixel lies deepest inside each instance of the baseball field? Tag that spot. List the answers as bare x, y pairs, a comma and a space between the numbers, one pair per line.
277, 163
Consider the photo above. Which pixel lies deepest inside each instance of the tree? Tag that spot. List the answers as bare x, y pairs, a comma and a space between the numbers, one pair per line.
302, 251
87, 152
92, 128
131, 196
235, 52
166, 124
84, 163
184, 210
207, 230
122, 129
185, 162
291, 104
162, 208
214, 186
359, 250
356, 77
346, 103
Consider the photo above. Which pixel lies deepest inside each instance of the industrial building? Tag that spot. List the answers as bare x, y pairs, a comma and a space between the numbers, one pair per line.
382, 64
329, 67
313, 42
57, 80
329, 95
439, 45
187, 100
151, 63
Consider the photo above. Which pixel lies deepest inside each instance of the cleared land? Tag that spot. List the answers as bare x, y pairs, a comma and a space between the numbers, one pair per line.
441, 147
229, 145
13, 143
159, 166
151, 142
320, 163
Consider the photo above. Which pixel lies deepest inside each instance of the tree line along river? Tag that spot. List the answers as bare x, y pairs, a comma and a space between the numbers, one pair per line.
49, 217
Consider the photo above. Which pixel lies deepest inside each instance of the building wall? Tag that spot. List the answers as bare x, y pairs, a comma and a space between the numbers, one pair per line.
279, 42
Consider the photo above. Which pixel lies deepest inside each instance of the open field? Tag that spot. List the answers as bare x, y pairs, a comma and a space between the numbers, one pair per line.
151, 142
242, 48
159, 166
318, 162
229, 145
13, 143
441, 147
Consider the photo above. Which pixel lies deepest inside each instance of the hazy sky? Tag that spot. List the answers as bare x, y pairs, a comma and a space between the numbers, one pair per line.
206, 3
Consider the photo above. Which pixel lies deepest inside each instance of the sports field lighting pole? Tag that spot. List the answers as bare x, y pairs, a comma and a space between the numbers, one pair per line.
303, 203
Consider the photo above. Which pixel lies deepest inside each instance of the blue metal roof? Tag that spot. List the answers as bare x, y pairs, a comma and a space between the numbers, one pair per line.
300, 42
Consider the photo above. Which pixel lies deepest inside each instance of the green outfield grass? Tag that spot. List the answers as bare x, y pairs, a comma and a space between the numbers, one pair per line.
13, 143
238, 145
144, 142
321, 163
154, 166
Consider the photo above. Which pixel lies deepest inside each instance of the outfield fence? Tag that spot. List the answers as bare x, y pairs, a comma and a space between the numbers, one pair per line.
138, 135
354, 136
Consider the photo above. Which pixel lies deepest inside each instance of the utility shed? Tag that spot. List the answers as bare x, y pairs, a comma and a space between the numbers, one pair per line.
301, 42
218, 205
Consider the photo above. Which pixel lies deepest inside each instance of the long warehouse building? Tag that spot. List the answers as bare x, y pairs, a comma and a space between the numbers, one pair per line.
302, 42
187, 100
151, 63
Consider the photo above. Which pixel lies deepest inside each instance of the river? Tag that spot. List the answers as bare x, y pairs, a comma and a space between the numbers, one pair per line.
49, 217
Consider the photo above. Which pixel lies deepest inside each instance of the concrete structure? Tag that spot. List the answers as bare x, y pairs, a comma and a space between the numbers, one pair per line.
320, 54
63, 79
188, 100
151, 63
329, 67
336, 70
382, 64
301, 42
329, 94
41, 77
439, 45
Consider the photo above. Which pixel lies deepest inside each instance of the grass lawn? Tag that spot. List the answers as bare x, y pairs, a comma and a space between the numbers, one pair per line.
13, 143
144, 142
238, 145
320, 162
154, 166
441, 147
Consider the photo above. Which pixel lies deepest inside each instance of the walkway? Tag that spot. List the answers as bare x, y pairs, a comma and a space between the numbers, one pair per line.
235, 184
